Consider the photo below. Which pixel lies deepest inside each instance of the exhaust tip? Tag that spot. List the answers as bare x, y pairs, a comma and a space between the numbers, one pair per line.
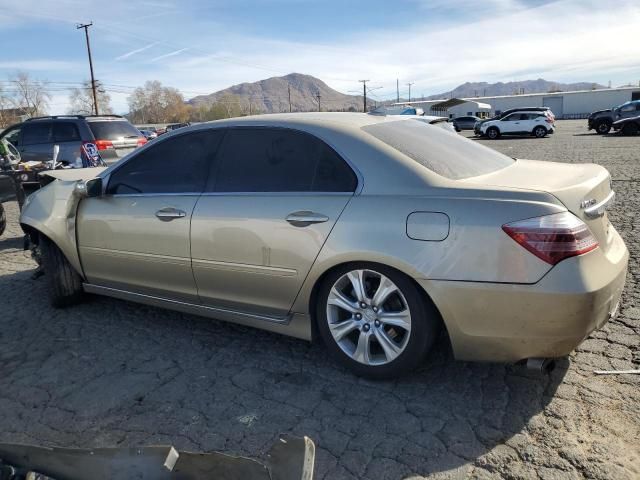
541, 365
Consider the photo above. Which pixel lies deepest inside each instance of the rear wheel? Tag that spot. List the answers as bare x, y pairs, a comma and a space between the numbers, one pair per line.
493, 133
540, 131
630, 129
374, 320
65, 285
603, 127
3, 219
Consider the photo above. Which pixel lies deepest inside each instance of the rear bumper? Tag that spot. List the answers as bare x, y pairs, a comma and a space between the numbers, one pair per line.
511, 322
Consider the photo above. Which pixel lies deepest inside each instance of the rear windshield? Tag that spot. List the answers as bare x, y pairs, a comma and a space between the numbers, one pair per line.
440, 151
113, 129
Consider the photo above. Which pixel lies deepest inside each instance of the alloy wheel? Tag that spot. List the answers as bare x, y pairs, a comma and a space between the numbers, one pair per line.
369, 317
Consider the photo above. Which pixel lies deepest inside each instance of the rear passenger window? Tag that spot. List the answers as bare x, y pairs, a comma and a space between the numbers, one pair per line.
65, 132
279, 160
36, 132
175, 165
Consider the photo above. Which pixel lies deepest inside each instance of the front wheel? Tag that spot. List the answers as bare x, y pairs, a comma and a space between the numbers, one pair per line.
603, 128
539, 131
375, 321
3, 219
493, 133
65, 285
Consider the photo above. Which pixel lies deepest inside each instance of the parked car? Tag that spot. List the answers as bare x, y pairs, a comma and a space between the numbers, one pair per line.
441, 122
369, 233
35, 138
536, 123
465, 123
175, 126
149, 134
602, 120
504, 113
628, 126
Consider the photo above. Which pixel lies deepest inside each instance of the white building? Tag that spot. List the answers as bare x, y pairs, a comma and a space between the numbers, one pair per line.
577, 104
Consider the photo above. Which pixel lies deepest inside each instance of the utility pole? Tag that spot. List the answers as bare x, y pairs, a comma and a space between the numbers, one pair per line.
409, 84
364, 93
289, 89
397, 90
93, 80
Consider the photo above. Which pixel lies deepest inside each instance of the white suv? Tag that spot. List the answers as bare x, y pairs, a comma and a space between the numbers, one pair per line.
524, 122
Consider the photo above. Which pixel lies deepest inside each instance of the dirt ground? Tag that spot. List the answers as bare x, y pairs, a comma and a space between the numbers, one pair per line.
111, 373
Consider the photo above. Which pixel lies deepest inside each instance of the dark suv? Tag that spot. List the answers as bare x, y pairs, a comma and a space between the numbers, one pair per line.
35, 138
602, 120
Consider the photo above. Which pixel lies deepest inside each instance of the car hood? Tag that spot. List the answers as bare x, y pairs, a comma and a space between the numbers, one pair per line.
598, 112
74, 173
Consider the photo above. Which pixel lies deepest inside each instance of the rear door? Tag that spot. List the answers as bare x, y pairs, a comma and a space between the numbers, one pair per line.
136, 236
272, 201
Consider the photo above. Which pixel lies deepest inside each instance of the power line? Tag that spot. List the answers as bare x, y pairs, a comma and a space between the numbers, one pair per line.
93, 80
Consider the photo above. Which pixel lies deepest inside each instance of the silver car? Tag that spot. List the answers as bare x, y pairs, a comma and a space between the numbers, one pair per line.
369, 232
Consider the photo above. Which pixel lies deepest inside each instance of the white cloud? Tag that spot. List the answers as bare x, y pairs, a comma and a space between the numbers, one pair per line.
170, 54
136, 51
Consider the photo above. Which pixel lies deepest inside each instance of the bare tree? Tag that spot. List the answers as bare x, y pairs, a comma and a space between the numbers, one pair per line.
154, 103
81, 100
29, 94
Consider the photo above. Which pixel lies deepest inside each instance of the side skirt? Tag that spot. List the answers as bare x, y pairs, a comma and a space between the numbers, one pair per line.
293, 324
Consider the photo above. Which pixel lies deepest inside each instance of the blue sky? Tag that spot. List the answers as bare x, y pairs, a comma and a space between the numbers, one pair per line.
200, 46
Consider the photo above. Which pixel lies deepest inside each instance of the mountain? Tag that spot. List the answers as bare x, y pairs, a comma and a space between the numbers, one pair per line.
272, 95
484, 89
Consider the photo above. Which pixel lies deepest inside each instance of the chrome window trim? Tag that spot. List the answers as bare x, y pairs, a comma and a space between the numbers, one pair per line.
106, 175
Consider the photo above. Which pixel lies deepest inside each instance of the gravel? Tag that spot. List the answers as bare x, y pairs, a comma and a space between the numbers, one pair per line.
112, 373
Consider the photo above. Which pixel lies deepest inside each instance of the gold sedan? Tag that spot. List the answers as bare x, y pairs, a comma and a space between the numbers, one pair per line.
369, 232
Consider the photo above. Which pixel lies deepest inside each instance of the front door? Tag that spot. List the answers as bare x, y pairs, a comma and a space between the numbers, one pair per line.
272, 201
511, 124
136, 236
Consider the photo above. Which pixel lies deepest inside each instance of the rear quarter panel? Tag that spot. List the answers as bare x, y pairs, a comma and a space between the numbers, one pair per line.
373, 228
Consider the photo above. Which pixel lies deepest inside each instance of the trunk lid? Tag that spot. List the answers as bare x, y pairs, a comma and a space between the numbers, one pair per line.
585, 189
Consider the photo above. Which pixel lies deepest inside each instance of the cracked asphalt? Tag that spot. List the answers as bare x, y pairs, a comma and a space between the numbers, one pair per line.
112, 373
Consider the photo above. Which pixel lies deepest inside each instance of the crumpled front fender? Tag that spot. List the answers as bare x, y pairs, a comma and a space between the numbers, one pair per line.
52, 211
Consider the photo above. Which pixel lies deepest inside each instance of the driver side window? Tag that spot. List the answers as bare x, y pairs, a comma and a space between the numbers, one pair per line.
13, 137
175, 165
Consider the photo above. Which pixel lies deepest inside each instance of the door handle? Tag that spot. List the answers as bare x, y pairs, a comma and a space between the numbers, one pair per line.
169, 213
305, 218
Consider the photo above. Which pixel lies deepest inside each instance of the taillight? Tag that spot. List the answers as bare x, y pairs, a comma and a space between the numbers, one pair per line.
142, 141
549, 120
104, 144
553, 238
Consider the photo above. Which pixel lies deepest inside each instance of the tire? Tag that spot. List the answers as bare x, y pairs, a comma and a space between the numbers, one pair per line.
3, 219
603, 127
630, 129
65, 285
492, 133
540, 132
411, 334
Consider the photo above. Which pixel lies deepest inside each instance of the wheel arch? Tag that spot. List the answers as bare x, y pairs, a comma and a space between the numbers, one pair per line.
312, 297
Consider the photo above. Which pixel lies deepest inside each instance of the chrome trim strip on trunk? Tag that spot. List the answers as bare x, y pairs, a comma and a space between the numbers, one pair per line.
598, 209
244, 318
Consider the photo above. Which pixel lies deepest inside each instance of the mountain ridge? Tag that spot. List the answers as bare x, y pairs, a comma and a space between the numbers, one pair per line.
271, 95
